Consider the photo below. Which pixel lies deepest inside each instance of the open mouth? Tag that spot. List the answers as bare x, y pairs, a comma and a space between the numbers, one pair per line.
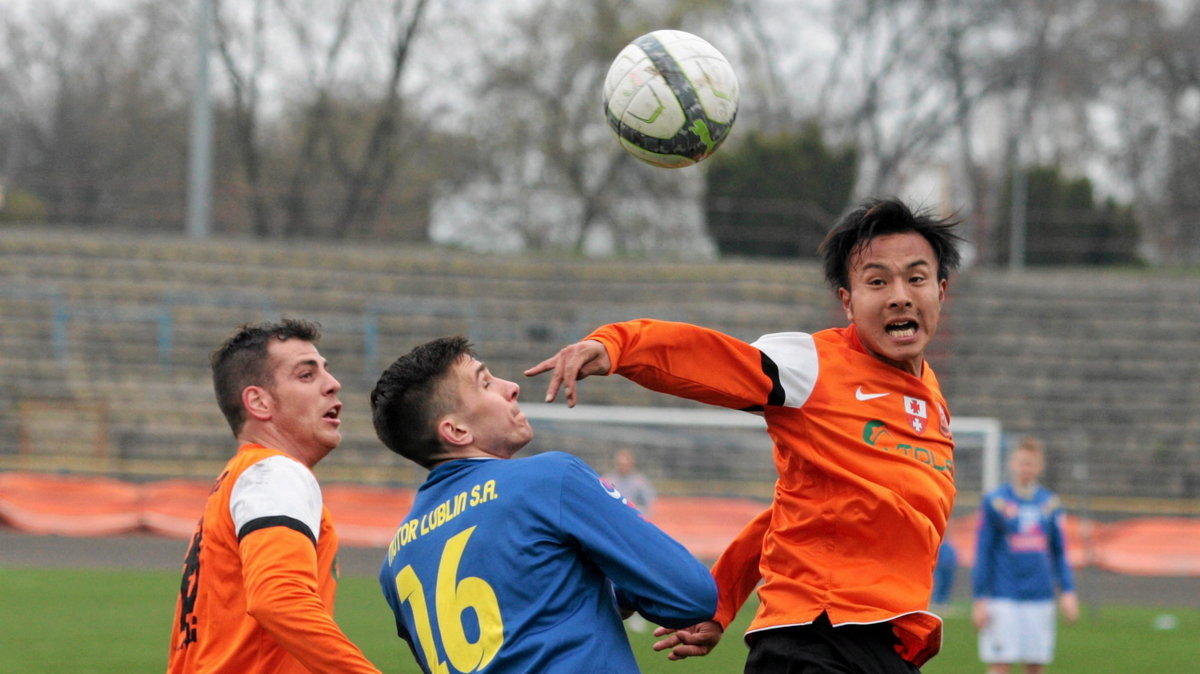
334, 412
902, 329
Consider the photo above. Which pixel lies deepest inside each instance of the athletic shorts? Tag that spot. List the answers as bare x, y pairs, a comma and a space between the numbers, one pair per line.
820, 648
1018, 631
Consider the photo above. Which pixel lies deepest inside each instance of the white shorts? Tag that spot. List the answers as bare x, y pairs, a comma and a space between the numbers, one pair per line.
1018, 631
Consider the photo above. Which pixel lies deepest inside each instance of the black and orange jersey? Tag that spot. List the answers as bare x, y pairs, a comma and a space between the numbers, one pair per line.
260, 576
864, 455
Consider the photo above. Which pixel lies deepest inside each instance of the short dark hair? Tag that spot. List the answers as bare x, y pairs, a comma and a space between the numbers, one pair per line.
410, 397
877, 217
242, 360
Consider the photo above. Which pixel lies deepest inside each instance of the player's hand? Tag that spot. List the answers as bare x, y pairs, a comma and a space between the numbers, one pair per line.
570, 364
1069, 604
979, 613
694, 641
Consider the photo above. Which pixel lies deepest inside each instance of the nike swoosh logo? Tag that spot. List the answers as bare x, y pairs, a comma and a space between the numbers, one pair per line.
859, 395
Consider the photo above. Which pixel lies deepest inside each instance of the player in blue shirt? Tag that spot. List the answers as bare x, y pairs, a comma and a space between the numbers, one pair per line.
1020, 564
514, 565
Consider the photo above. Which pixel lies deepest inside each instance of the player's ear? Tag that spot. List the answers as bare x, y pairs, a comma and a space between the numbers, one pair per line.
453, 433
258, 402
844, 296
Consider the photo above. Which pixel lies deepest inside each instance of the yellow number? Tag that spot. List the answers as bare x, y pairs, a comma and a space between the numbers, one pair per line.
452, 598
409, 587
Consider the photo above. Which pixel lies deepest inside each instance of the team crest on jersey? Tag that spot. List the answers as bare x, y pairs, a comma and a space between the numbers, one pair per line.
917, 412
944, 422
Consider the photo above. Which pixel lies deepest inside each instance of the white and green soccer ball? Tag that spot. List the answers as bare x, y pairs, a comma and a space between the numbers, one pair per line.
671, 98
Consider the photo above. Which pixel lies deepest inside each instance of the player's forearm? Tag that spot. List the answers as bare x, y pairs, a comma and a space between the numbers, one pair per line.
300, 623
278, 571
687, 361
681, 601
662, 580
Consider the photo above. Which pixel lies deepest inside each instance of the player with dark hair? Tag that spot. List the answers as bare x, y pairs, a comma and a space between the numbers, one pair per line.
514, 565
862, 447
1020, 565
261, 572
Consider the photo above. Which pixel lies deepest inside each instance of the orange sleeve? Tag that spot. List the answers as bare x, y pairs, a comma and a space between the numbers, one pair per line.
736, 570
279, 569
687, 361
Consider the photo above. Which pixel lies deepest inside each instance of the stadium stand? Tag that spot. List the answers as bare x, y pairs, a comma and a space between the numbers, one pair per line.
105, 341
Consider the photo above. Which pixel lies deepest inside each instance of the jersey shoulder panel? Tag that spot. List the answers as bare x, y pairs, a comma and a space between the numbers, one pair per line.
276, 489
794, 355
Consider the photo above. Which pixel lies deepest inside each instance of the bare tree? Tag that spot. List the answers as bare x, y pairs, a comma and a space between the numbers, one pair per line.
92, 112
887, 80
343, 146
1153, 87
552, 137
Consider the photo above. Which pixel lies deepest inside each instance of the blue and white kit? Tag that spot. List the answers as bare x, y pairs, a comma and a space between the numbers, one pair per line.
1021, 549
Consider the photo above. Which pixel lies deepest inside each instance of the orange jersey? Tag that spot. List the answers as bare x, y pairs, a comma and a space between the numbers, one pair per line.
260, 576
866, 473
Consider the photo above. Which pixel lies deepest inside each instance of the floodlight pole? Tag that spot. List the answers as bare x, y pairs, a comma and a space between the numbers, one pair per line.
1018, 212
199, 190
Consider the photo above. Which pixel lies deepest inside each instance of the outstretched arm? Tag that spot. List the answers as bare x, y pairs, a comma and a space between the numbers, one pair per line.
653, 574
675, 358
569, 365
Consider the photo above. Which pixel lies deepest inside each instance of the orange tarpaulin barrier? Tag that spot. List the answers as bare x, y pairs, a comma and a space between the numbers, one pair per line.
364, 516
68, 505
1151, 546
172, 507
704, 525
368, 516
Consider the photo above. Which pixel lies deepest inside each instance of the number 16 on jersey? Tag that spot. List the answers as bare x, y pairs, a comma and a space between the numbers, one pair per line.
453, 598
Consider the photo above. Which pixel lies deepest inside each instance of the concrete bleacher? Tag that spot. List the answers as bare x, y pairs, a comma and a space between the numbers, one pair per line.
116, 331
126, 324
1103, 364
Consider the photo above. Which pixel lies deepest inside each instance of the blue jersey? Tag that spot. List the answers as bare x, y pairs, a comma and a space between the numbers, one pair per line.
1020, 552
523, 565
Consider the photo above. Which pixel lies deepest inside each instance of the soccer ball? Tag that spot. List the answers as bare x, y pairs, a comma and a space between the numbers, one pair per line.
671, 98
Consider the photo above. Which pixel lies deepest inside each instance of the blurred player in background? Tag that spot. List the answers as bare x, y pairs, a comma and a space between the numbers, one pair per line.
632, 483
862, 446
1020, 564
943, 578
546, 556
639, 491
261, 572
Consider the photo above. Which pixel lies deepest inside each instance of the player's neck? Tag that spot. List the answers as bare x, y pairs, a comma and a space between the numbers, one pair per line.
1025, 490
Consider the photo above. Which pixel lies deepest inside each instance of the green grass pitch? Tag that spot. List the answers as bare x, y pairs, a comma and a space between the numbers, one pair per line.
101, 622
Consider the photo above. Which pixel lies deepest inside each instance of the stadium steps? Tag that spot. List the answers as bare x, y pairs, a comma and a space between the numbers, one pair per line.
1103, 364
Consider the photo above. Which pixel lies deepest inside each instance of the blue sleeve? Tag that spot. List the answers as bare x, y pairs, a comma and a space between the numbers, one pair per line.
981, 573
654, 574
1058, 552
